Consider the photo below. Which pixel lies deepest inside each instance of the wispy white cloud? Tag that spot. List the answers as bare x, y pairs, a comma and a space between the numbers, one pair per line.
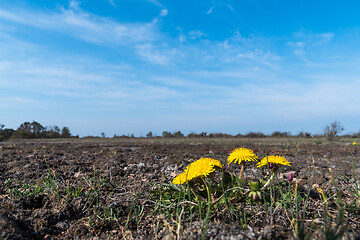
234, 51
156, 2
155, 55
298, 49
314, 38
324, 38
75, 4
16, 101
305, 43
195, 34
112, 3
210, 10
83, 25
164, 12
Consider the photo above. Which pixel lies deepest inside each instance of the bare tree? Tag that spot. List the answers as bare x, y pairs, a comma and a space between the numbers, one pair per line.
332, 130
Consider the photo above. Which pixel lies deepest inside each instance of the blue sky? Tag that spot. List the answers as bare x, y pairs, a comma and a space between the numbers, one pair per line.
134, 66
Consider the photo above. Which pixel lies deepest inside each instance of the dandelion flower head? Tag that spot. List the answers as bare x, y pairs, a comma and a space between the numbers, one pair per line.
200, 168
181, 178
354, 143
277, 160
240, 155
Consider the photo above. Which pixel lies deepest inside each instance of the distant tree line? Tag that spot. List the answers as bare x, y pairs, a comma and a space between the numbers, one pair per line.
31, 130
330, 132
225, 135
179, 134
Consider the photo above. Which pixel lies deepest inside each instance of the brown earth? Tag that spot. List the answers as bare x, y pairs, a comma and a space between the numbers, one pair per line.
93, 188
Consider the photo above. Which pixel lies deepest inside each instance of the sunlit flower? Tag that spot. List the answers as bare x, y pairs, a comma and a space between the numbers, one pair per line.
354, 144
181, 178
240, 155
200, 168
276, 160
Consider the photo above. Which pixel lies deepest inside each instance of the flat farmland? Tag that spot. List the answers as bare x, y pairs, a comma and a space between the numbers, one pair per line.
121, 188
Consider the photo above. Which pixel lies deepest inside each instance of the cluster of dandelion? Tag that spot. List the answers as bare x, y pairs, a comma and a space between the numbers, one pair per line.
203, 170
205, 166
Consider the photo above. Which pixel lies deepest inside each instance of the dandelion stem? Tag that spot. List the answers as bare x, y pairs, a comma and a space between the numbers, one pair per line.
242, 169
268, 181
204, 230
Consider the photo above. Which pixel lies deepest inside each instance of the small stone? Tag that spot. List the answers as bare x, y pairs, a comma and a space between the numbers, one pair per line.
62, 225
77, 175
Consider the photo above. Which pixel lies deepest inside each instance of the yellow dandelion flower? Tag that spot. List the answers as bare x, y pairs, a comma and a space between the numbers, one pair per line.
200, 168
181, 178
354, 144
240, 155
277, 160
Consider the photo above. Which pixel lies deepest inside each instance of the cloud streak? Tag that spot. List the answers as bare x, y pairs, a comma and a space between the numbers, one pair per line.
83, 25
210, 10
306, 43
